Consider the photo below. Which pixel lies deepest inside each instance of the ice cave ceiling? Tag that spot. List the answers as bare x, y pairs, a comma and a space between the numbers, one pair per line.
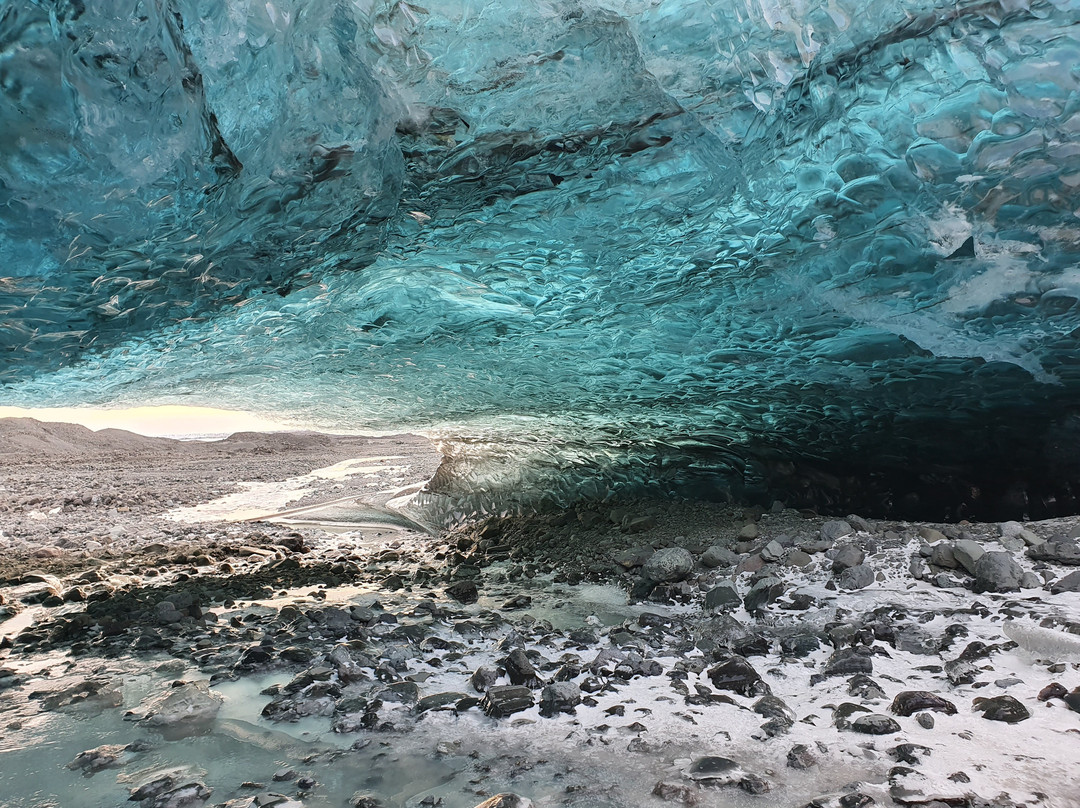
778, 246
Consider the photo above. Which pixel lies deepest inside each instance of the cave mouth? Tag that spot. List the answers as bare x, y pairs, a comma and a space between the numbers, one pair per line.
602, 250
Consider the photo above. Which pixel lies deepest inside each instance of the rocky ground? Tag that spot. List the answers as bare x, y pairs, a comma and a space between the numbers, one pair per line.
659, 653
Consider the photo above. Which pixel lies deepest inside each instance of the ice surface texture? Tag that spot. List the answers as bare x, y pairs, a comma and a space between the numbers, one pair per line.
758, 244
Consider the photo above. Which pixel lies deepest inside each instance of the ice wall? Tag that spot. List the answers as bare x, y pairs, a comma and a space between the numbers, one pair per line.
794, 247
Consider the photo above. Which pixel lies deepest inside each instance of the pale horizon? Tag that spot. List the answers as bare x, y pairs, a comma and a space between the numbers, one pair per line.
154, 421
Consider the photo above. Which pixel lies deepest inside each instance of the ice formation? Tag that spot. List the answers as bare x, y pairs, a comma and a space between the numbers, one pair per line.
820, 248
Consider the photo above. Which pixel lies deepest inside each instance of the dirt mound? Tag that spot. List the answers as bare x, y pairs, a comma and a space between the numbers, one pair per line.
28, 437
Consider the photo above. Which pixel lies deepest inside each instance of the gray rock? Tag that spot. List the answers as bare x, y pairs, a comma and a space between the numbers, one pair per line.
715, 770
941, 555
1030, 538
559, 697
1058, 550
748, 531
1012, 543
1070, 583
835, 529
967, 554
997, 572
849, 661
917, 568
797, 558
762, 593
722, 596
717, 556
520, 669
800, 757
1006, 529
857, 577
772, 552
189, 708
668, 565
865, 688
847, 556
482, 679
925, 720
463, 592
1029, 580
932, 535
858, 523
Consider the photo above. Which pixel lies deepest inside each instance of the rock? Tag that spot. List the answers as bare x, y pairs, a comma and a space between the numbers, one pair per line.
997, 572
1029, 580
858, 523
858, 577
737, 675
967, 554
715, 770
799, 645
1072, 699
749, 532
842, 714
1030, 538
762, 593
1070, 583
559, 697
925, 720
847, 556
875, 724
520, 669
865, 688
849, 661
503, 700
506, 801
800, 757
463, 592
719, 557
482, 679
676, 792
669, 565
797, 558
1002, 708
941, 555
772, 552
187, 709
439, 701
722, 596
836, 529
1057, 550
1054, 690
931, 535
1009, 528
910, 702
109, 756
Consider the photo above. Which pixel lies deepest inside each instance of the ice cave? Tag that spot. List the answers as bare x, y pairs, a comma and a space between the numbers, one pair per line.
820, 251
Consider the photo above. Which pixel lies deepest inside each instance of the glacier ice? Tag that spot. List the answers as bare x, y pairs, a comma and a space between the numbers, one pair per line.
820, 249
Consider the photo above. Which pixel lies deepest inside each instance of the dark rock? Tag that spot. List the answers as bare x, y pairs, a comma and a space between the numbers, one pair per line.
737, 675
997, 572
559, 697
1072, 699
842, 715
676, 792
438, 701
849, 661
864, 687
799, 645
910, 702
1052, 691
875, 724
504, 700
1002, 708
909, 753
925, 720
800, 757
753, 784
669, 565
520, 669
715, 770
722, 596
463, 592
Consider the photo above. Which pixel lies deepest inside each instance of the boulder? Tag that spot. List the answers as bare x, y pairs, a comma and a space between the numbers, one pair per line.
669, 565
967, 554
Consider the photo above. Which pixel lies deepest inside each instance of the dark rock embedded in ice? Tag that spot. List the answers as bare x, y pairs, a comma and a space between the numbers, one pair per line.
1002, 708
910, 702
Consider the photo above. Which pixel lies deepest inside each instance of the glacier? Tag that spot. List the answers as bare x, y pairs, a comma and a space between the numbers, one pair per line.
819, 250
